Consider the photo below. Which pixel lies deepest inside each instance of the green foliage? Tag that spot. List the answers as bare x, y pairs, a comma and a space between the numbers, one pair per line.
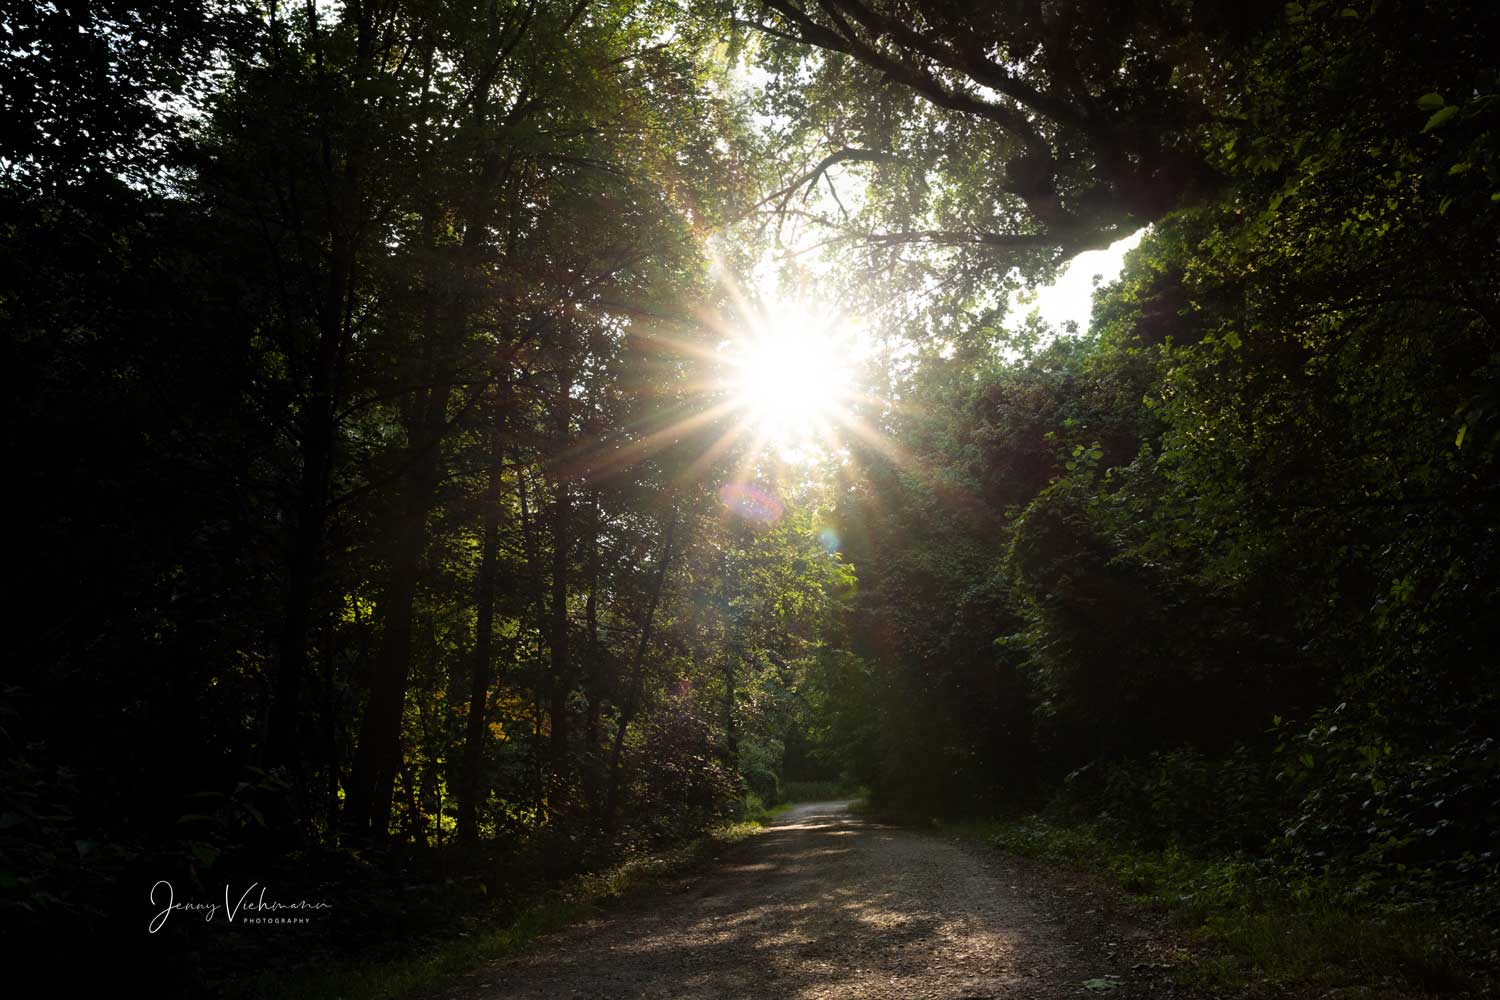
763, 783
682, 785
1178, 798
756, 812
365, 440
1231, 554
821, 791
330, 347
50, 876
488, 936
1254, 925
1409, 827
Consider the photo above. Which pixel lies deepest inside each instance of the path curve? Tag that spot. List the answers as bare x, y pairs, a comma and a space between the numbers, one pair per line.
827, 904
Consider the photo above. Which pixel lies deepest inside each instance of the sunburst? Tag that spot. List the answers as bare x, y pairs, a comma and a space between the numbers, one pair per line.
792, 374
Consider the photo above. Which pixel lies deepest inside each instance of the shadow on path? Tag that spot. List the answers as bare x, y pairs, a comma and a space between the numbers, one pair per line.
821, 904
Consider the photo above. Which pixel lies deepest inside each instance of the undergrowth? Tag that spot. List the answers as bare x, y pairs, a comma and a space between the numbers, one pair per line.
820, 791
1256, 926
360, 978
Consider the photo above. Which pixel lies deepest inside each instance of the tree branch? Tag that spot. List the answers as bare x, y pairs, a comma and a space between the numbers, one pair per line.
923, 82
976, 66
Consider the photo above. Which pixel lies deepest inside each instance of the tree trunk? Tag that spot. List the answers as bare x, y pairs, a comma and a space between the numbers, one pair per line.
304, 567
731, 733
368, 808
530, 530
471, 792
342, 226
562, 675
632, 698
318, 426
594, 656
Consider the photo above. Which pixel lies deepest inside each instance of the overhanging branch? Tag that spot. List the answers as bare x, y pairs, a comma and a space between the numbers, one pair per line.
924, 83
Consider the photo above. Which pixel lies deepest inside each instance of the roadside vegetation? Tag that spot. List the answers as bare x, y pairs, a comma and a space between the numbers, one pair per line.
1248, 927
489, 933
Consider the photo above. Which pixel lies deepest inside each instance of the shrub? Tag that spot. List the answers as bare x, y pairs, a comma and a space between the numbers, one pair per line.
1178, 797
763, 783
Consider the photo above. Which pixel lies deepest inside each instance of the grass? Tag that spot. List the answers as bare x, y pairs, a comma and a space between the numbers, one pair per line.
361, 978
1254, 931
819, 791
1321, 943
758, 813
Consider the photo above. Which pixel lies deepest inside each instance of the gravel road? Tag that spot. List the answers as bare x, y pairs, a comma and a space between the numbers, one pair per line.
828, 904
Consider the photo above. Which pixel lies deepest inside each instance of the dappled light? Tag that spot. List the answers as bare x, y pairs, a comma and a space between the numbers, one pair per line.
831, 906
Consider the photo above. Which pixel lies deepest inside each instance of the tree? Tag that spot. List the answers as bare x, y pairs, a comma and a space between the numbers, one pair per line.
1021, 131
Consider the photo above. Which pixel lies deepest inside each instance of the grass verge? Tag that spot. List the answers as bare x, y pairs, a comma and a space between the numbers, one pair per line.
820, 791
361, 978
1258, 931
758, 813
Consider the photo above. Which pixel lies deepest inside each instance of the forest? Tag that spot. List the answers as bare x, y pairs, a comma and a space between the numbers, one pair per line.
459, 446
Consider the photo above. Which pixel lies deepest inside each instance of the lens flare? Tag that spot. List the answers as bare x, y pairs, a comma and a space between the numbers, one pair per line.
751, 502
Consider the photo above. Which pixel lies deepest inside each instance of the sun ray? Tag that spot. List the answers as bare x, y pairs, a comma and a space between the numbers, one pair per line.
721, 444
631, 452
882, 443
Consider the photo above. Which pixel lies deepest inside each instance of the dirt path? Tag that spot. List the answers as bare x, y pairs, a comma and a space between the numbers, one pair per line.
826, 904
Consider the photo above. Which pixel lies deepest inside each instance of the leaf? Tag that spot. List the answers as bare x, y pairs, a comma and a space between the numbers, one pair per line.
1440, 117
1430, 102
206, 797
1100, 985
206, 854
1458, 442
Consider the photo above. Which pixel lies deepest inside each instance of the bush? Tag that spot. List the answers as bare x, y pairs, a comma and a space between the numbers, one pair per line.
682, 786
818, 791
763, 783
1399, 825
1179, 797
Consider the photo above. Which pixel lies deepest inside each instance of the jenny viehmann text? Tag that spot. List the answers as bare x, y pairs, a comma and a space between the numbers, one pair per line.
249, 907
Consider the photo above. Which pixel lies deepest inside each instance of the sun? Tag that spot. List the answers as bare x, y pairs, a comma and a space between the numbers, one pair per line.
793, 373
